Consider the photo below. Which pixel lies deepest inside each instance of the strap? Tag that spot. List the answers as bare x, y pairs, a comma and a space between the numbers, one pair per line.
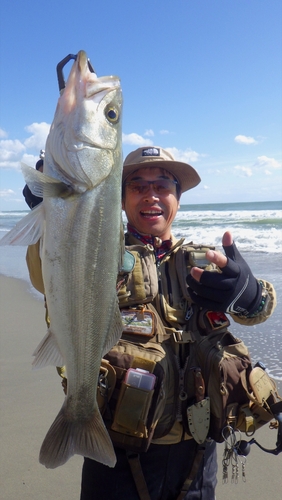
192, 474
139, 479
138, 476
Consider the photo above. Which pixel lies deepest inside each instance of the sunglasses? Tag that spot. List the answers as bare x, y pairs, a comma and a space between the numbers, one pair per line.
160, 186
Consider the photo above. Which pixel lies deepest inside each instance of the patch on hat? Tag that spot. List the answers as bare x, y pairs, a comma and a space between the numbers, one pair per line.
151, 152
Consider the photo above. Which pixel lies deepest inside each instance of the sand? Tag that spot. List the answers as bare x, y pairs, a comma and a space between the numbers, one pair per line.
30, 400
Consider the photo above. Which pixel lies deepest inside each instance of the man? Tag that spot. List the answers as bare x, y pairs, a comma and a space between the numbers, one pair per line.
152, 185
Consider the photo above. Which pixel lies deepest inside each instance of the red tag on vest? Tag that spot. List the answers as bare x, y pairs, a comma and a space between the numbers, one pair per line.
217, 319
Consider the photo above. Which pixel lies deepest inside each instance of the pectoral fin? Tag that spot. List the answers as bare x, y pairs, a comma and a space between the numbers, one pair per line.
28, 230
44, 186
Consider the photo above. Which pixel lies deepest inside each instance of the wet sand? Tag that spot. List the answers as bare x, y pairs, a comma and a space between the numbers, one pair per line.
30, 400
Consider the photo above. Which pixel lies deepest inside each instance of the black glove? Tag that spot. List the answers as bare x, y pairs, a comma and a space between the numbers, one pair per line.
234, 291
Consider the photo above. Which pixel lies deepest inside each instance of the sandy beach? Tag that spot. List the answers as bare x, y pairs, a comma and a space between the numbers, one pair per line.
30, 400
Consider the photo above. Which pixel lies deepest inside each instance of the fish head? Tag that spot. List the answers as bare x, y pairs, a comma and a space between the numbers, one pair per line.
84, 143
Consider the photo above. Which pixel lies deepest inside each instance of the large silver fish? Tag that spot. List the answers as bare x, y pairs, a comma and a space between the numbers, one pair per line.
79, 223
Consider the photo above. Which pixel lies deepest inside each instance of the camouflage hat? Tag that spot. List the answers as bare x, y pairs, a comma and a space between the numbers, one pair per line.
154, 156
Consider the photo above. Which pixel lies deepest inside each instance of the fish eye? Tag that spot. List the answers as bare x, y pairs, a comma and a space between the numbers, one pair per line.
112, 114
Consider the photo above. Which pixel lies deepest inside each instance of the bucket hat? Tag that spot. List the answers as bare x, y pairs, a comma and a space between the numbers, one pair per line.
155, 156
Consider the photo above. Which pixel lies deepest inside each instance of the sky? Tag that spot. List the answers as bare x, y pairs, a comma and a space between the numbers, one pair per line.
201, 78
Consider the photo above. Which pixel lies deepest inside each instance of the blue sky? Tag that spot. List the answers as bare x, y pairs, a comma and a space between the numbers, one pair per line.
201, 78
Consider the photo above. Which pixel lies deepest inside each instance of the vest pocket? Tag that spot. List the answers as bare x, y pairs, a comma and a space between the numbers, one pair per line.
132, 411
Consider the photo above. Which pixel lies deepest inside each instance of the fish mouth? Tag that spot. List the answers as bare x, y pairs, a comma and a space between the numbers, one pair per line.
95, 87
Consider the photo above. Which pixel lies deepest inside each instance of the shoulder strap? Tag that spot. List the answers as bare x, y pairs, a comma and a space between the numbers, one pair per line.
140, 482
138, 476
138, 280
192, 474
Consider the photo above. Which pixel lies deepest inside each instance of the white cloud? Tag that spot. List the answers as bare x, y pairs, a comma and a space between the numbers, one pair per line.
164, 132
263, 164
186, 156
5, 193
30, 160
136, 140
10, 153
38, 138
243, 139
268, 163
13, 151
245, 171
3, 133
149, 133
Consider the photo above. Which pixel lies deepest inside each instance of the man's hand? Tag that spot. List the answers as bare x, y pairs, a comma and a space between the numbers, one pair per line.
234, 290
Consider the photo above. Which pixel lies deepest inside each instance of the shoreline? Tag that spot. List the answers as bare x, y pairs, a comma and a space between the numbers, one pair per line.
30, 400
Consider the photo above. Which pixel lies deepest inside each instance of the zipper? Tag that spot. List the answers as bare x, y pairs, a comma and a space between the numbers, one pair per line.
160, 295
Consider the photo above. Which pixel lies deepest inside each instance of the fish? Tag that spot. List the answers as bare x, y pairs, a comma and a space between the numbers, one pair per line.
79, 224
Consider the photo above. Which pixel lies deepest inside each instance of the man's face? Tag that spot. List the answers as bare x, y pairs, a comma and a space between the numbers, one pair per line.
151, 212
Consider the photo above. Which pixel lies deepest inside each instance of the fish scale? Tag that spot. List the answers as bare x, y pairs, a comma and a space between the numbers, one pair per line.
80, 226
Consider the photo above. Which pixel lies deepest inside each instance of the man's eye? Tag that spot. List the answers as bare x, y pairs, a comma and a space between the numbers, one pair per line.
160, 188
135, 188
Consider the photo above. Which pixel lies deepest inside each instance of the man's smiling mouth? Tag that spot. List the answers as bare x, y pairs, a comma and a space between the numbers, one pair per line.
151, 213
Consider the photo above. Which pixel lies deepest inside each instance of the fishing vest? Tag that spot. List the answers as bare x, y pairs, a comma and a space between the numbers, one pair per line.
176, 362
159, 323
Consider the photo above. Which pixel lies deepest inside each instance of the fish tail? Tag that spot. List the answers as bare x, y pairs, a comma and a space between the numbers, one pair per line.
66, 438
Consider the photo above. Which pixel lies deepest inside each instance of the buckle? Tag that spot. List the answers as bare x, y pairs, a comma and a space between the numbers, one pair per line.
182, 336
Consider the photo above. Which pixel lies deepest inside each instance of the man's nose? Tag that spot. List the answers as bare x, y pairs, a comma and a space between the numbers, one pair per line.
153, 186
151, 192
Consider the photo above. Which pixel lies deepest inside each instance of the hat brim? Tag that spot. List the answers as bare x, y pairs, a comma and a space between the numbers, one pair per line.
186, 175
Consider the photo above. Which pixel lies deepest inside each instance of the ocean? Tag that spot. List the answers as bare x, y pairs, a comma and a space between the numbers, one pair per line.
257, 230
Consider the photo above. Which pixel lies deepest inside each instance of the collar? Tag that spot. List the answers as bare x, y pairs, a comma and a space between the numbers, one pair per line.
160, 247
